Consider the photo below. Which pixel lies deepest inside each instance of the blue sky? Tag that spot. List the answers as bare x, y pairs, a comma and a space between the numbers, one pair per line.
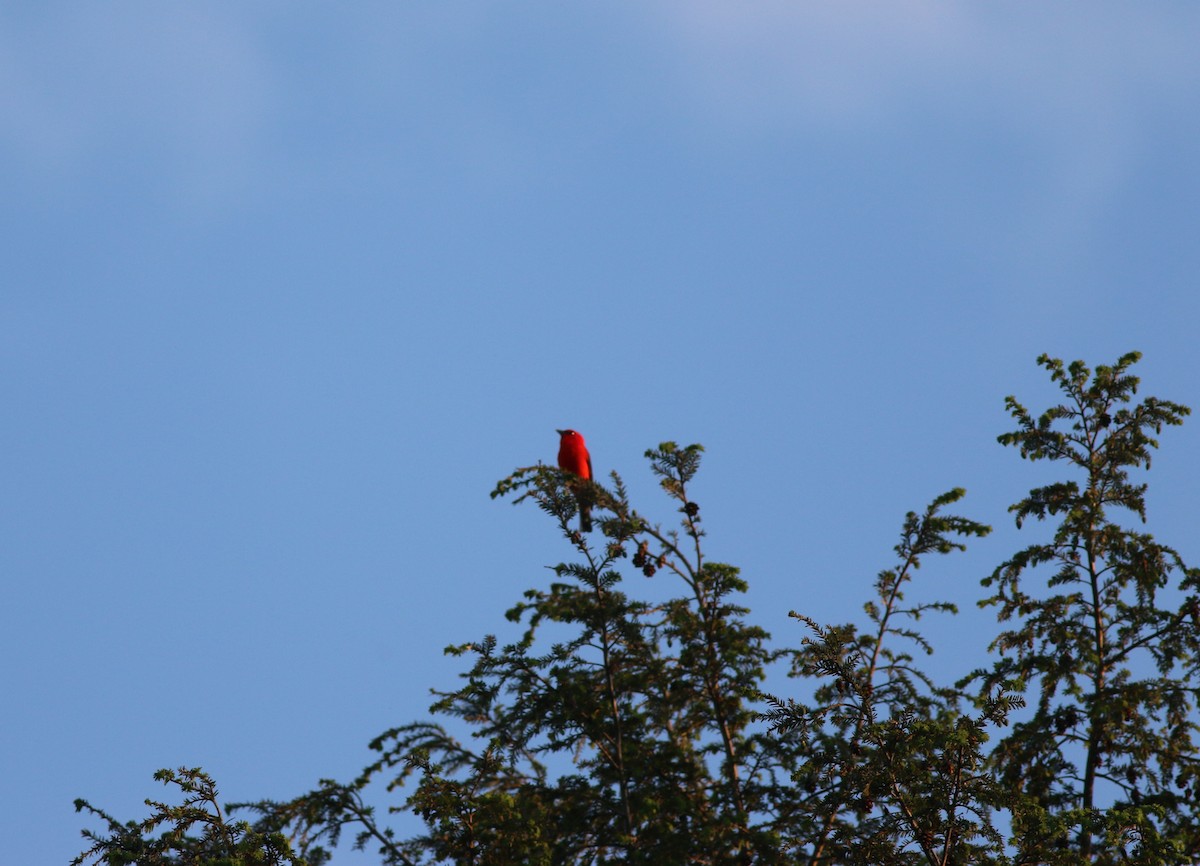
289, 286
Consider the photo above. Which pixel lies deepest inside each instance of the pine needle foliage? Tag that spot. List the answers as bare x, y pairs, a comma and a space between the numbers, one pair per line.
168, 837
620, 729
1100, 627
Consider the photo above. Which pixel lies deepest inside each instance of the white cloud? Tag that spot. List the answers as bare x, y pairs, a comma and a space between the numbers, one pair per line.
857, 63
837, 64
1079, 92
180, 86
197, 90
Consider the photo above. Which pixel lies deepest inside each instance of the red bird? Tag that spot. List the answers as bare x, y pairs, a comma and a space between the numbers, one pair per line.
573, 457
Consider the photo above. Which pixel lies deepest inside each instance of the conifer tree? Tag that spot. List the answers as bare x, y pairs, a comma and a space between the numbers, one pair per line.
1101, 631
894, 768
618, 729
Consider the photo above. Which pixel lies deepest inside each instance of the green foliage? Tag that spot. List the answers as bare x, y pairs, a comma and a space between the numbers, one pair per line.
618, 729
630, 732
894, 771
219, 842
1107, 642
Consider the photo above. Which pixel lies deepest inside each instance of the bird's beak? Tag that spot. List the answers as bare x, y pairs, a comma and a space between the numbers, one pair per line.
560, 432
